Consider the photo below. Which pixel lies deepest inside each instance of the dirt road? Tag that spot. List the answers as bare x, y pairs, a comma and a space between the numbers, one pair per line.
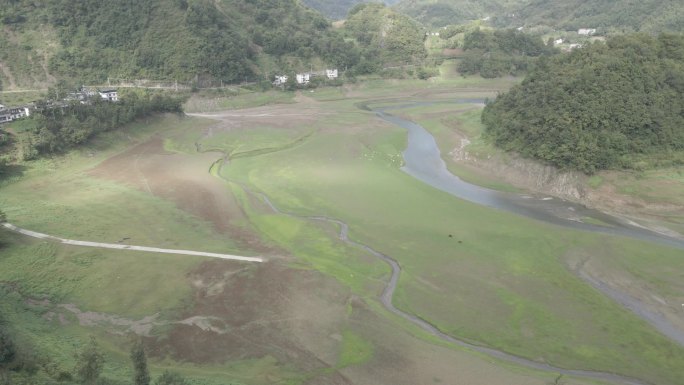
128, 247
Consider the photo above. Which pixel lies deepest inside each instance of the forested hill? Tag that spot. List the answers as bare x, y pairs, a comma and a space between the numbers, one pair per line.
231, 40
337, 9
619, 15
610, 15
439, 13
387, 38
618, 104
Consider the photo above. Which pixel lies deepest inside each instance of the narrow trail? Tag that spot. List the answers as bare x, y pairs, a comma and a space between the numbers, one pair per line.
128, 247
388, 294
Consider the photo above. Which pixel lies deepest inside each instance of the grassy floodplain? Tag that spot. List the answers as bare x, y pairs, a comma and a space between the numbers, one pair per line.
504, 284
498, 280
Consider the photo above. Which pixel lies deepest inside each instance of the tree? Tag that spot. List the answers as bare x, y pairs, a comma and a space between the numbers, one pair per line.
614, 105
89, 363
141, 376
7, 348
7, 352
170, 378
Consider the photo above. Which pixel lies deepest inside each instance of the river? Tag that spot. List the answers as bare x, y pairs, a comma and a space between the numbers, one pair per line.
423, 161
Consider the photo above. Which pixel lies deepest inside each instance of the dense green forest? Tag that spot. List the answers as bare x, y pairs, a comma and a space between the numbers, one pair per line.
385, 37
501, 52
608, 15
57, 129
230, 40
439, 13
337, 9
618, 104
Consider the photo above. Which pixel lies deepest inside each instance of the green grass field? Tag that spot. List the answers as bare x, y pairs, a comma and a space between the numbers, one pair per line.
242, 99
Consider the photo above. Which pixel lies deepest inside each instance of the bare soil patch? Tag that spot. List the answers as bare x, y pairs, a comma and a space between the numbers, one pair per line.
8, 75
297, 316
184, 180
279, 116
452, 52
254, 312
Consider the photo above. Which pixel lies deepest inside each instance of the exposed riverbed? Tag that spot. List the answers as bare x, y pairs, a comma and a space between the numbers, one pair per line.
424, 162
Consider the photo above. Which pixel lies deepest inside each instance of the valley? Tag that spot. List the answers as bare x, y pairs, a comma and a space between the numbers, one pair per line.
314, 313
257, 192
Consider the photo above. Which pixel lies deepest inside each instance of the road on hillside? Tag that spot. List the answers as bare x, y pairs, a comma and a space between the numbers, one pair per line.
117, 246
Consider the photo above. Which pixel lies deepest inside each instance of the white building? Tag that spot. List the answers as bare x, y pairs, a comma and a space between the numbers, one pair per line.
280, 80
586, 31
331, 74
575, 46
304, 78
11, 114
558, 42
109, 95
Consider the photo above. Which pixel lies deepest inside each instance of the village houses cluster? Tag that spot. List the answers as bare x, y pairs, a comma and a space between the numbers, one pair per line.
572, 46
9, 114
305, 77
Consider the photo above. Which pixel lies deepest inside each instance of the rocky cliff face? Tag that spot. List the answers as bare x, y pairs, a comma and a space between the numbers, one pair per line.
530, 175
573, 186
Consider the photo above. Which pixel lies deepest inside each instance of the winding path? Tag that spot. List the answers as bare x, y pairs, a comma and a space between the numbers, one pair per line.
128, 247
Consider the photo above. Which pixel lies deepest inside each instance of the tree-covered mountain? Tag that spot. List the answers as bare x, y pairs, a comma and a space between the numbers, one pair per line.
337, 9
618, 104
621, 15
439, 13
495, 53
385, 36
230, 40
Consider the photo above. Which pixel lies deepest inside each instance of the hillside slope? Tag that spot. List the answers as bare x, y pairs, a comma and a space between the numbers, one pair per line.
337, 9
385, 36
439, 13
618, 15
626, 15
228, 40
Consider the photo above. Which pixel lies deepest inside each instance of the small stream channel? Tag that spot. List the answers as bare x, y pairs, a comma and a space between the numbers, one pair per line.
390, 287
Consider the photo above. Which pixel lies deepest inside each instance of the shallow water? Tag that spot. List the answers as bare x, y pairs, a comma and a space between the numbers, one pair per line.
424, 162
